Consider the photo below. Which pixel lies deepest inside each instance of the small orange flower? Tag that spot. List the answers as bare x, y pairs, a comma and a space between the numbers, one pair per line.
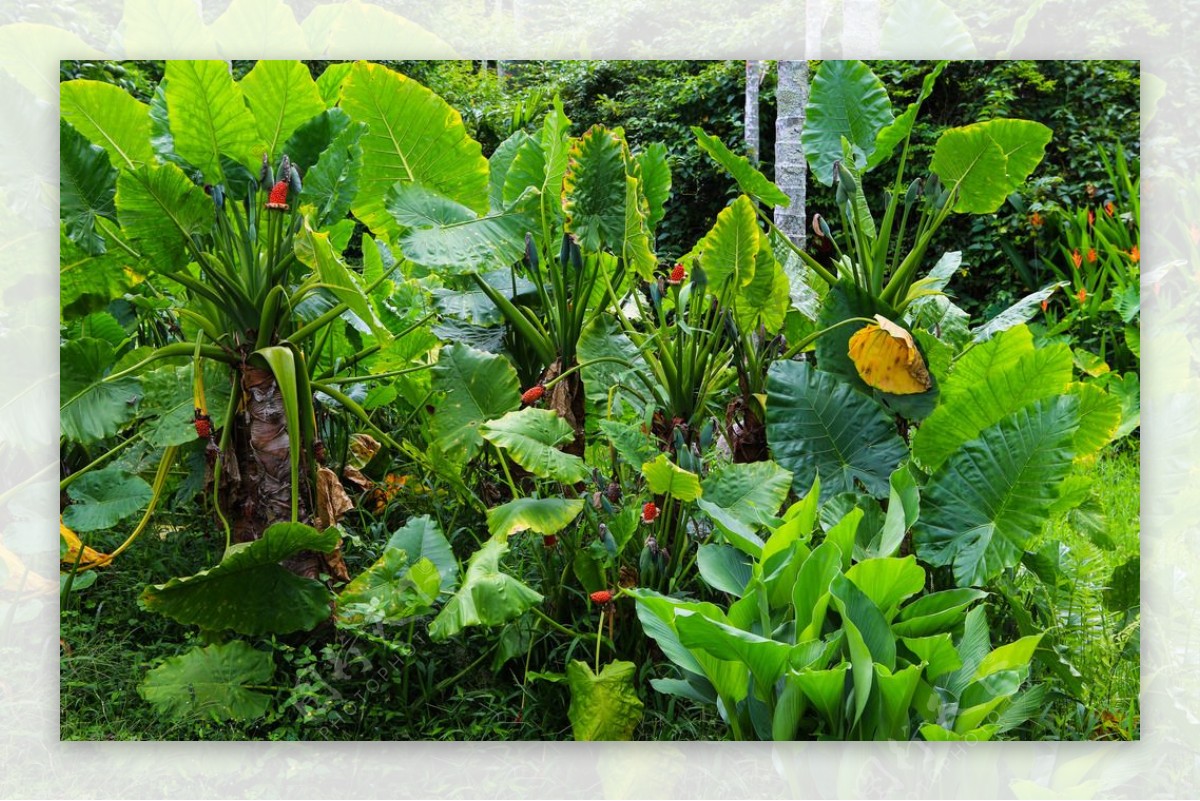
1036, 220
1077, 257
1135, 254
1091, 217
1091, 257
1081, 294
277, 200
601, 597
533, 394
677, 275
1045, 304
649, 512
1110, 209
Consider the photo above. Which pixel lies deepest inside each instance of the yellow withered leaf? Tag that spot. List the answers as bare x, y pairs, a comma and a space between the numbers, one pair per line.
887, 359
91, 557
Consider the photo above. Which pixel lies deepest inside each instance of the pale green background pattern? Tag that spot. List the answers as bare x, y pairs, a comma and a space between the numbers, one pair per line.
34, 36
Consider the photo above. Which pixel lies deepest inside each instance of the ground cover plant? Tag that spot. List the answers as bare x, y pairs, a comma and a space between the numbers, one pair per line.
369, 432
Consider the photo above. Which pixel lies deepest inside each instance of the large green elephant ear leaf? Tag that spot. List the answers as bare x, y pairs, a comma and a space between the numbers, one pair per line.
92, 408
392, 590
594, 190
168, 407
543, 516
531, 437
111, 118
748, 178
102, 498
818, 425
655, 168
413, 135
604, 706
216, 682
476, 387
282, 95
209, 118
730, 248
87, 185
981, 507
332, 182
160, 208
540, 163
986, 161
487, 597
422, 538
741, 498
249, 591
848, 101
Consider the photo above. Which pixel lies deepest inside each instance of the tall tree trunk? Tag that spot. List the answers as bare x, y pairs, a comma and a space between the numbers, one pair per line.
791, 171
754, 72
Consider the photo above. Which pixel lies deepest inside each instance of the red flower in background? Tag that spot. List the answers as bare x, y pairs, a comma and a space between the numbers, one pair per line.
1109, 208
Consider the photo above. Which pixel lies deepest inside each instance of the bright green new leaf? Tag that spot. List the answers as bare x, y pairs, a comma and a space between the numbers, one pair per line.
476, 387
656, 181
315, 249
765, 658
392, 590
86, 282
664, 477
111, 118
904, 507
748, 178
847, 101
92, 408
857, 608
1008, 657
724, 568
1099, 419
102, 498
729, 250
422, 538
531, 437
896, 691
543, 516
636, 240
160, 208
209, 117
986, 161
216, 682
329, 84
487, 597
825, 689
888, 582
797, 526
936, 651
604, 706
810, 596
282, 95
898, 129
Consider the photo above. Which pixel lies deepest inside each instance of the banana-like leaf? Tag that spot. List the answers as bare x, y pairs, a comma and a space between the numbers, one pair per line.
540, 162
87, 185
817, 425
935, 613
594, 191
487, 596
92, 408
315, 249
531, 437
209, 118
664, 477
422, 538
724, 568
215, 682
742, 498
896, 691
604, 706
826, 690
282, 95
160, 208
994, 493
765, 658
477, 387
847, 101
111, 118
984, 162
392, 590
102, 498
810, 595
543, 516
730, 248
413, 135
748, 178
888, 582
249, 591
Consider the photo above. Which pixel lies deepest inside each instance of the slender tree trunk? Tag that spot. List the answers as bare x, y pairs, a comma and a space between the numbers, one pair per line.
791, 171
754, 72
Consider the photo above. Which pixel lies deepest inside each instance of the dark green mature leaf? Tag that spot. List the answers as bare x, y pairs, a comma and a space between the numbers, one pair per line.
748, 178
743, 497
89, 282
724, 568
543, 516
819, 425
87, 185
994, 493
604, 706
313, 137
846, 101
209, 118
332, 182
986, 161
249, 591
216, 682
531, 437
422, 538
111, 118
487, 597
169, 406
441, 234
92, 408
594, 190
282, 95
160, 208
103, 498
477, 387
413, 136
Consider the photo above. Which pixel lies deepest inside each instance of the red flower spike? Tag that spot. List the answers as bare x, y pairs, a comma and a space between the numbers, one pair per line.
1077, 257
277, 200
203, 424
533, 394
602, 597
677, 275
649, 512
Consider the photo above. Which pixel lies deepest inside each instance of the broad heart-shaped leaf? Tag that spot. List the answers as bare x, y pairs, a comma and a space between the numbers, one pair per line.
664, 477
214, 683
209, 117
997, 355
102, 498
333, 181
446, 236
92, 408
766, 658
730, 248
970, 409
543, 516
249, 591
604, 706
87, 283
531, 437
477, 387
986, 501
413, 136
313, 137
282, 95
766, 299
160, 208
500, 164
742, 498
540, 162
315, 249
846, 101
111, 118
817, 425
487, 597
748, 178
87, 185
594, 189
1099, 419
986, 161
655, 181
421, 538
392, 590
168, 407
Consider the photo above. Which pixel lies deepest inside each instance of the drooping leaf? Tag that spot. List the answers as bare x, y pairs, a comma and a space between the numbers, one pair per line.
935, 613
282, 95
898, 129
765, 300
603, 706
88, 282
994, 493
984, 162
749, 179
422, 538
846, 101
730, 248
531, 437
765, 658
314, 249
817, 425
413, 135
214, 682
1020, 312
487, 596
391, 590
103, 498
160, 208
92, 408
87, 185
249, 591
209, 117
664, 477
477, 387
111, 118
543, 516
